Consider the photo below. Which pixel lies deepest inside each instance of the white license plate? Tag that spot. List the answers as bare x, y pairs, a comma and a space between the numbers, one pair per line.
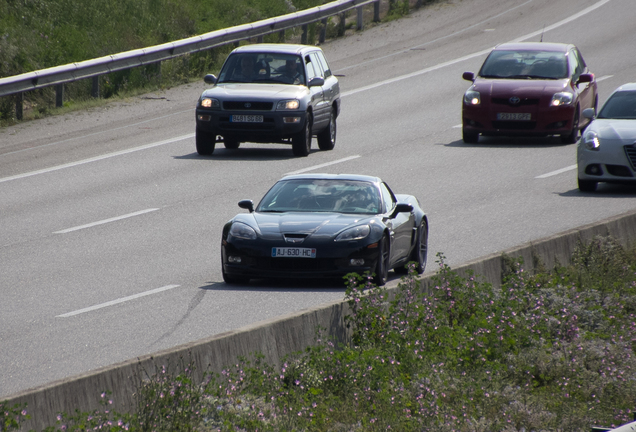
514, 116
291, 252
247, 119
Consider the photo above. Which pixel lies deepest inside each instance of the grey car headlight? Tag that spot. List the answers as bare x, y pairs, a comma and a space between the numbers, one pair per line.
242, 231
591, 140
561, 99
472, 97
355, 233
210, 103
292, 104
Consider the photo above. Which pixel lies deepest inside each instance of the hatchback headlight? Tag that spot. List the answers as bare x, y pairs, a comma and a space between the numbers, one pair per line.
355, 233
210, 103
472, 97
242, 231
591, 140
561, 99
291, 104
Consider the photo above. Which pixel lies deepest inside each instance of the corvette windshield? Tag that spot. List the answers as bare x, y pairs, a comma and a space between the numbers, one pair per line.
524, 65
316, 195
621, 105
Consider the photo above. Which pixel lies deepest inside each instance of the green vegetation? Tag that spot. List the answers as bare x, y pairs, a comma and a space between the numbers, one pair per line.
553, 350
38, 34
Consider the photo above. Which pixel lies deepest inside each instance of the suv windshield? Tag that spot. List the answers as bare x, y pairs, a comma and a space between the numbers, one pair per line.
263, 68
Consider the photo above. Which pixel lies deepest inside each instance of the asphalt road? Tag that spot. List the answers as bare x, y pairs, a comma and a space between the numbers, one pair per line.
110, 222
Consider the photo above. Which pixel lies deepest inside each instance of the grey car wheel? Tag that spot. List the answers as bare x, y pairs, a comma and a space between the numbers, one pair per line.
301, 143
205, 142
382, 266
327, 137
587, 185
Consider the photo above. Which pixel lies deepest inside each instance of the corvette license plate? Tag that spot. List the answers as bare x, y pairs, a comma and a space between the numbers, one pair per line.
291, 252
514, 116
247, 119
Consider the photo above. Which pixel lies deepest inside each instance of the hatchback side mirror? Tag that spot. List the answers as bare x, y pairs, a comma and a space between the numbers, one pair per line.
468, 76
585, 78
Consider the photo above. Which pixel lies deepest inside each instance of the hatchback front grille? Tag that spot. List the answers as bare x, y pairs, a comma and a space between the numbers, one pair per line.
514, 125
522, 102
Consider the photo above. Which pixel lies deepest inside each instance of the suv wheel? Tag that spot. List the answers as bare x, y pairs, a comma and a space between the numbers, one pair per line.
327, 137
301, 142
205, 142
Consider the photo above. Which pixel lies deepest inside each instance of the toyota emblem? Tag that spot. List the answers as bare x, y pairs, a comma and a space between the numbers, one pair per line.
247, 105
514, 100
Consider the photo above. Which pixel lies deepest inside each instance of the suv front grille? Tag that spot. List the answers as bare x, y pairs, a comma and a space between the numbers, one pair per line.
248, 106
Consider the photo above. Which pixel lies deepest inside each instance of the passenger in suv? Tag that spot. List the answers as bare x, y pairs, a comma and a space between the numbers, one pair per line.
270, 93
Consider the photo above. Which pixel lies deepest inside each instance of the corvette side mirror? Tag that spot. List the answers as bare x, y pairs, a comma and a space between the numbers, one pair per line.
401, 208
247, 205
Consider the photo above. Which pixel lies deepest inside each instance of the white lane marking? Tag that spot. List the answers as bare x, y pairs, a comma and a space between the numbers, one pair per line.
105, 221
323, 165
459, 126
97, 158
97, 133
477, 54
604, 78
559, 171
114, 302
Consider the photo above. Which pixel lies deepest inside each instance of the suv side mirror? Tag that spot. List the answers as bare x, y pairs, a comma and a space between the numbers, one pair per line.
316, 81
209, 79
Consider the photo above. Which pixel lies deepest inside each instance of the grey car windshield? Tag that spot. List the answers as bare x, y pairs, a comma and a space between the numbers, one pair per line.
621, 105
525, 64
272, 68
340, 196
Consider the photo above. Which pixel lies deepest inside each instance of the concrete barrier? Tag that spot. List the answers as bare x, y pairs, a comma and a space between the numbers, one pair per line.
278, 337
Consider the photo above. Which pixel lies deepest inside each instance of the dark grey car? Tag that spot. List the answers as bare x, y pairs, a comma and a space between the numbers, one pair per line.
270, 93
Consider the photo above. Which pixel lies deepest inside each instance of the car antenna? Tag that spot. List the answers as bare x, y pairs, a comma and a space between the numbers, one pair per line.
542, 31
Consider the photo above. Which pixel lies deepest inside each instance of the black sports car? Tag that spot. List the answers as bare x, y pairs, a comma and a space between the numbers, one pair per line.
325, 226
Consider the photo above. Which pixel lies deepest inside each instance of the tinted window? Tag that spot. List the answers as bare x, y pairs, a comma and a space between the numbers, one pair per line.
524, 64
387, 197
324, 64
621, 105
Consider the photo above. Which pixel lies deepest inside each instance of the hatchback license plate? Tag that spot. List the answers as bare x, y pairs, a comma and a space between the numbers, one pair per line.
291, 252
514, 116
247, 119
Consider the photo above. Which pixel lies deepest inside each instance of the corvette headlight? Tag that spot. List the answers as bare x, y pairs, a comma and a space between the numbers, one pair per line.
292, 104
242, 231
591, 140
472, 97
210, 103
561, 99
355, 233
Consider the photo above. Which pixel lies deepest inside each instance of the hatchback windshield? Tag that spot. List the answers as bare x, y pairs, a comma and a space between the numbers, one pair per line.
524, 65
263, 68
341, 196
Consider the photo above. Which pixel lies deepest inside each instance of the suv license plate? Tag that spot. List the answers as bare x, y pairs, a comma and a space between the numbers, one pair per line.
514, 116
246, 119
290, 252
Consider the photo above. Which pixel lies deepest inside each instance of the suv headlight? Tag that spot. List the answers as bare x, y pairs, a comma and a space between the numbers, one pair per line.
472, 97
561, 99
355, 233
291, 104
242, 231
591, 140
210, 103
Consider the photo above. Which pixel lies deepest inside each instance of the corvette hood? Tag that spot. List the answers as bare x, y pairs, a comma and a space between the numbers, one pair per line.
324, 225
613, 129
255, 91
527, 87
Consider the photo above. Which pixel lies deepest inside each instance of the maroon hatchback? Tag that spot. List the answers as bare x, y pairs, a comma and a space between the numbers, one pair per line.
529, 89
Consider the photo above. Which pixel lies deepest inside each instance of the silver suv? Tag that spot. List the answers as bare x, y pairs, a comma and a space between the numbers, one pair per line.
270, 93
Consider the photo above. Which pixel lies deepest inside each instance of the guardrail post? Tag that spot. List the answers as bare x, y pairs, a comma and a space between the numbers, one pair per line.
342, 25
260, 39
376, 11
360, 21
323, 31
95, 88
303, 38
59, 95
19, 105
281, 36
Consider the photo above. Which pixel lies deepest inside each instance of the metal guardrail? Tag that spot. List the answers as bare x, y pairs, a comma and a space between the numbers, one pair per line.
59, 75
